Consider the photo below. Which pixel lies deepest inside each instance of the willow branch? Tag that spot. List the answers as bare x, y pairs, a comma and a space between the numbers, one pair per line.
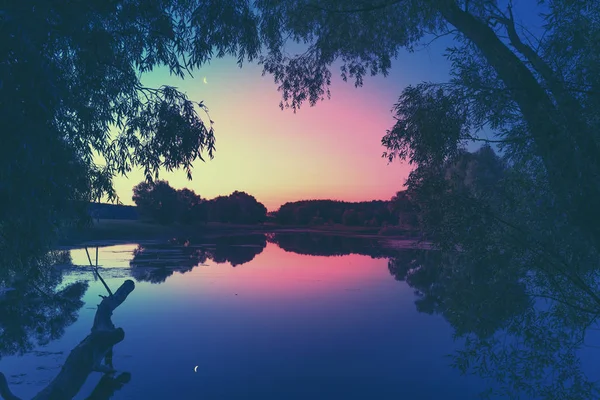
354, 10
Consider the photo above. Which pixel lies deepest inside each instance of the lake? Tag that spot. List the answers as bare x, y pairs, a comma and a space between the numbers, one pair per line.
261, 317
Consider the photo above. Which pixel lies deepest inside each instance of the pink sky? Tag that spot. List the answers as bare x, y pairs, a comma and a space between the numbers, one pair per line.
330, 151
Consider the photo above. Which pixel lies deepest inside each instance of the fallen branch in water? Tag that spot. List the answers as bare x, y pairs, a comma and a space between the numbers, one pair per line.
4, 389
88, 355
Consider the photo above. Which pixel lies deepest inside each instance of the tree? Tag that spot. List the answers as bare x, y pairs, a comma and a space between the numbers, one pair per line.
239, 208
165, 203
457, 200
350, 217
189, 207
403, 209
332, 211
250, 210
540, 102
143, 199
156, 201
201, 212
302, 215
71, 88
72, 72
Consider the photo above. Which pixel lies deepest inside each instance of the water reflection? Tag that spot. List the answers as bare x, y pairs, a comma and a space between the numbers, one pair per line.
156, 262
524, 332
93, 353
108, 385
476, 297
330, 245
34, 309
236, 249
517, 339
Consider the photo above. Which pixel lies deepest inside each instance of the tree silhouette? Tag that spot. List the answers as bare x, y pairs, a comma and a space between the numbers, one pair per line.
403, 210
238, 207
190, 207
304, 212
71, 72
531, 98
67, 83
157, 201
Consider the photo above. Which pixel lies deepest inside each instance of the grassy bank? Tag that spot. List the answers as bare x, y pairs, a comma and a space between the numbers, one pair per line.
135, 230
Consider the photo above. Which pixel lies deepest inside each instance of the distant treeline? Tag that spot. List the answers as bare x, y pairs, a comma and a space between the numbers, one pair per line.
397, 211
161, 203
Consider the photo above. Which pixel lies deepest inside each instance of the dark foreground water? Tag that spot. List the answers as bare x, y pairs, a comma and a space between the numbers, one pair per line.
250, 320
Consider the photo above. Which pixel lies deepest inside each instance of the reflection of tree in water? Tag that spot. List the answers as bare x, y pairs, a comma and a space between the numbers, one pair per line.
513, 335
479, 297
35, 311
329, 245
92, 354
236, 250
156, 262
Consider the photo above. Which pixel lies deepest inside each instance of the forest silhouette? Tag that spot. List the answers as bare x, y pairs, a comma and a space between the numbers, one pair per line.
513, 224
160, 203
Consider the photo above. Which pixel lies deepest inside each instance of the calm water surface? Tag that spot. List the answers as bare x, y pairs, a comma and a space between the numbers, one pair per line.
257, 322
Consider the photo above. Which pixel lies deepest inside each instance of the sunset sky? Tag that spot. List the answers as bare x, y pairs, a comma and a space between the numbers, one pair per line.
330, 151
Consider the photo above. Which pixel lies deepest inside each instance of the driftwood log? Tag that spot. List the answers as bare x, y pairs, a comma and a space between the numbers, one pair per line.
87, 356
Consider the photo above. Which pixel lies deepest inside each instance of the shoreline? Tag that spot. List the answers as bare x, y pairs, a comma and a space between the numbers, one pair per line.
112, 232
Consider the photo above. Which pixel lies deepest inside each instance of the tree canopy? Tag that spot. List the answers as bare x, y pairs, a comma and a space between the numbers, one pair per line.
71, 89
158, 201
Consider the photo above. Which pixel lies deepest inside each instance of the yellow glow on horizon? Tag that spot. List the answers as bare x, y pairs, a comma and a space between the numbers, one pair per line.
330, 151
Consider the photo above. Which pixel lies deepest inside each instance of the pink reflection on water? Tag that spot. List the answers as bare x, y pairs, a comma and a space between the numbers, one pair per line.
282, 274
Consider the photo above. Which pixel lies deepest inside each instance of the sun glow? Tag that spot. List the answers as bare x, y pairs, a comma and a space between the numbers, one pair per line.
330, 151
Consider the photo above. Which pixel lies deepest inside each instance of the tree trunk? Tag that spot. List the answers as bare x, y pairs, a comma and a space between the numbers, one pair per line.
90, 353
87, 356
568, 151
